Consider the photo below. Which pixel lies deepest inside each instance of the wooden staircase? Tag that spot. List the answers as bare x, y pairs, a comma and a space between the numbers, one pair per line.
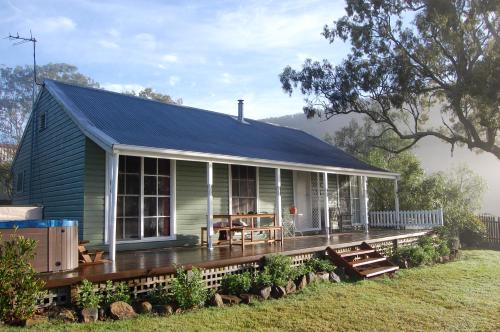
363, 263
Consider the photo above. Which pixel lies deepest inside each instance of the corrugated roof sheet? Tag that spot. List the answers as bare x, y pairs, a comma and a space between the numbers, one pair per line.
140, 122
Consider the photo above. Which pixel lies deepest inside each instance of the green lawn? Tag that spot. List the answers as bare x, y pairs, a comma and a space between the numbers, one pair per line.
463, 295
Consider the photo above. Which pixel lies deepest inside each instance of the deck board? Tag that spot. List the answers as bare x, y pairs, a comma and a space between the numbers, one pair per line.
141, 263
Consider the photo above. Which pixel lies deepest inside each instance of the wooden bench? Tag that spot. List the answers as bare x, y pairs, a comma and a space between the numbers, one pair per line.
88, 258
275, 233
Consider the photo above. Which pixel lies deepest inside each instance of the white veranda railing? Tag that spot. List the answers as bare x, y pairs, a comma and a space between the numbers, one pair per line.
406, 219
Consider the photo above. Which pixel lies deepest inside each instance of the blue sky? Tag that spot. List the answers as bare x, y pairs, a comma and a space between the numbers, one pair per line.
209, 53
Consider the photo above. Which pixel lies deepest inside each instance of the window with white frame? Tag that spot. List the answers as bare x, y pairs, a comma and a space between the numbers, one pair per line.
143, 182
244, 189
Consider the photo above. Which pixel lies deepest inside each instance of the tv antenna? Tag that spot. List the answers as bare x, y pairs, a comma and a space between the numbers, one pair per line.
18, 40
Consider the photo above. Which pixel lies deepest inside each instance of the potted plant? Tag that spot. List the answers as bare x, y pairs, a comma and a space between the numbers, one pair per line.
88, 300
293, 210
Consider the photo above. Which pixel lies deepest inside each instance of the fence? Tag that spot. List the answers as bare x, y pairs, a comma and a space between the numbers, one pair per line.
406, 219
492, 224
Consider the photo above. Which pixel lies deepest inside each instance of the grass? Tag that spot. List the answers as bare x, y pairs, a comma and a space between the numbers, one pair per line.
462, 295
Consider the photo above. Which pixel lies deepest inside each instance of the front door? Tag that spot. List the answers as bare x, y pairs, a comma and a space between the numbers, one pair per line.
302, 188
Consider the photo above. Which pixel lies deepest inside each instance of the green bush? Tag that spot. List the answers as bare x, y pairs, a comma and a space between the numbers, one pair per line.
236, 284
20, 289
88, 297
277, 271
320, 265
115, 292
159, 295
301, 270
427, 251
188, 288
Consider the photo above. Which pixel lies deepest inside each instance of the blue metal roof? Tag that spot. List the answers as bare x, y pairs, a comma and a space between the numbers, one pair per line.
136, 121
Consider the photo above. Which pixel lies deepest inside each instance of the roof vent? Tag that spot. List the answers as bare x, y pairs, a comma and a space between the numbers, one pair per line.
240, 110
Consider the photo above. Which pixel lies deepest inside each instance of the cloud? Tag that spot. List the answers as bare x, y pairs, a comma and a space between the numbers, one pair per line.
173, 80
108, 44
145, 41
57, 23
226, 78
119, 87
169, 58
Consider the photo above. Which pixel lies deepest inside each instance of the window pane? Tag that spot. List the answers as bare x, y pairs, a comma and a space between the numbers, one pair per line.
119, 229
131, 228
236, 188
164, 206
121, 164
236, 205
243, 188
164, 226
252, 205
251, 189
133, 165
149, 227
150, 185
235, 171
251, 173
121, 184
243, 172
163, 166
150, 206
131, 206
150, 166
119, 206
163, 185
133, 184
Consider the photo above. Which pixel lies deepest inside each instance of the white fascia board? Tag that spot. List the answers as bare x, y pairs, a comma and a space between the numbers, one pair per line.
142, 151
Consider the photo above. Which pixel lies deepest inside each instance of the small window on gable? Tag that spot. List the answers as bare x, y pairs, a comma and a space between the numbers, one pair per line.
43, 121
20, 182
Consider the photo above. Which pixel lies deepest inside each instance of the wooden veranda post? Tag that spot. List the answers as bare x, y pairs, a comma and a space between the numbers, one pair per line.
114, 159
396, 201
277, 176
327, 214
210, 212
364, 206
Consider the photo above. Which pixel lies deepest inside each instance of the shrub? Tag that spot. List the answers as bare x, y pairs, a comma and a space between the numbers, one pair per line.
427, 251
159, 295
301, 270
115, 292
188, 288
320, 265
277, 271
88, 297
20, 289
236, 284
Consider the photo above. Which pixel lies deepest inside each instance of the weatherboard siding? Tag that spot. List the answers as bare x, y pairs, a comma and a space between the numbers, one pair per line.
58, 161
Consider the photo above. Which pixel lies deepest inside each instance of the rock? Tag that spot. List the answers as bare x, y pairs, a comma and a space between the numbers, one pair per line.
144, 307
36, 319
230, 299
163, 309
278, 292
302, 283
90, 315
247, 298
121, 310
264, 292
311, 277
290, 287
322, 276
62, 314
334, 277
217, 300
102, 314
178, 311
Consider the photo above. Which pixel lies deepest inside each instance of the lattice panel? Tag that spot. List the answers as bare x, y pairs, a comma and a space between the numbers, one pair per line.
315, 201
214, 276
56, 296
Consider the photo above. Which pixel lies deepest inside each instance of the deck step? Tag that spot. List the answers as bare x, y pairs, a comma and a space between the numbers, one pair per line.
367, 261
369, 273
356, 253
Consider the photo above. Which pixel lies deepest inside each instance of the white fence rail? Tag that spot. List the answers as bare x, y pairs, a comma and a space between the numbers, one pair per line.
406, 219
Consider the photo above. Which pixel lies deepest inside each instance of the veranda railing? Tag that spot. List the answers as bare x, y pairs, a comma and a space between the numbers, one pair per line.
424, 219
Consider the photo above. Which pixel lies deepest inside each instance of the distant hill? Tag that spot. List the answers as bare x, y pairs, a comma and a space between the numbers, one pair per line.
434, 154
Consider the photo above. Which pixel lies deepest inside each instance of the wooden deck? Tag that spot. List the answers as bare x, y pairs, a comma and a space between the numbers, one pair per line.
133, 264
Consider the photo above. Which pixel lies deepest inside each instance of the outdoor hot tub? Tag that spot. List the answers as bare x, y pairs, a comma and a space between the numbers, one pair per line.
57, 247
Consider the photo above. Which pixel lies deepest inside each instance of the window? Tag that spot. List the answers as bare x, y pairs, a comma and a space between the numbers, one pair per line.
143, 182
20, 182
244, 190
43, 121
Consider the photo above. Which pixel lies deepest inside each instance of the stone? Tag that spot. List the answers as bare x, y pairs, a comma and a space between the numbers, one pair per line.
144, 307
90, 315
163, 309
264, 292
62, 314
230, 299
217, 300
290, 287
278, 292
121, 310
178, 311
334, 277
36, 319
311, 277
247, 298
302, 283
322, 276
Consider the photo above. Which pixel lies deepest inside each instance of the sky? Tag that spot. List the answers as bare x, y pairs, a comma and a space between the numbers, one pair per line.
209, 53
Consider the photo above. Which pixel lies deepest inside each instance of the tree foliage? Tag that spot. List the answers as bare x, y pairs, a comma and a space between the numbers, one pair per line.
413, 62
149, 93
